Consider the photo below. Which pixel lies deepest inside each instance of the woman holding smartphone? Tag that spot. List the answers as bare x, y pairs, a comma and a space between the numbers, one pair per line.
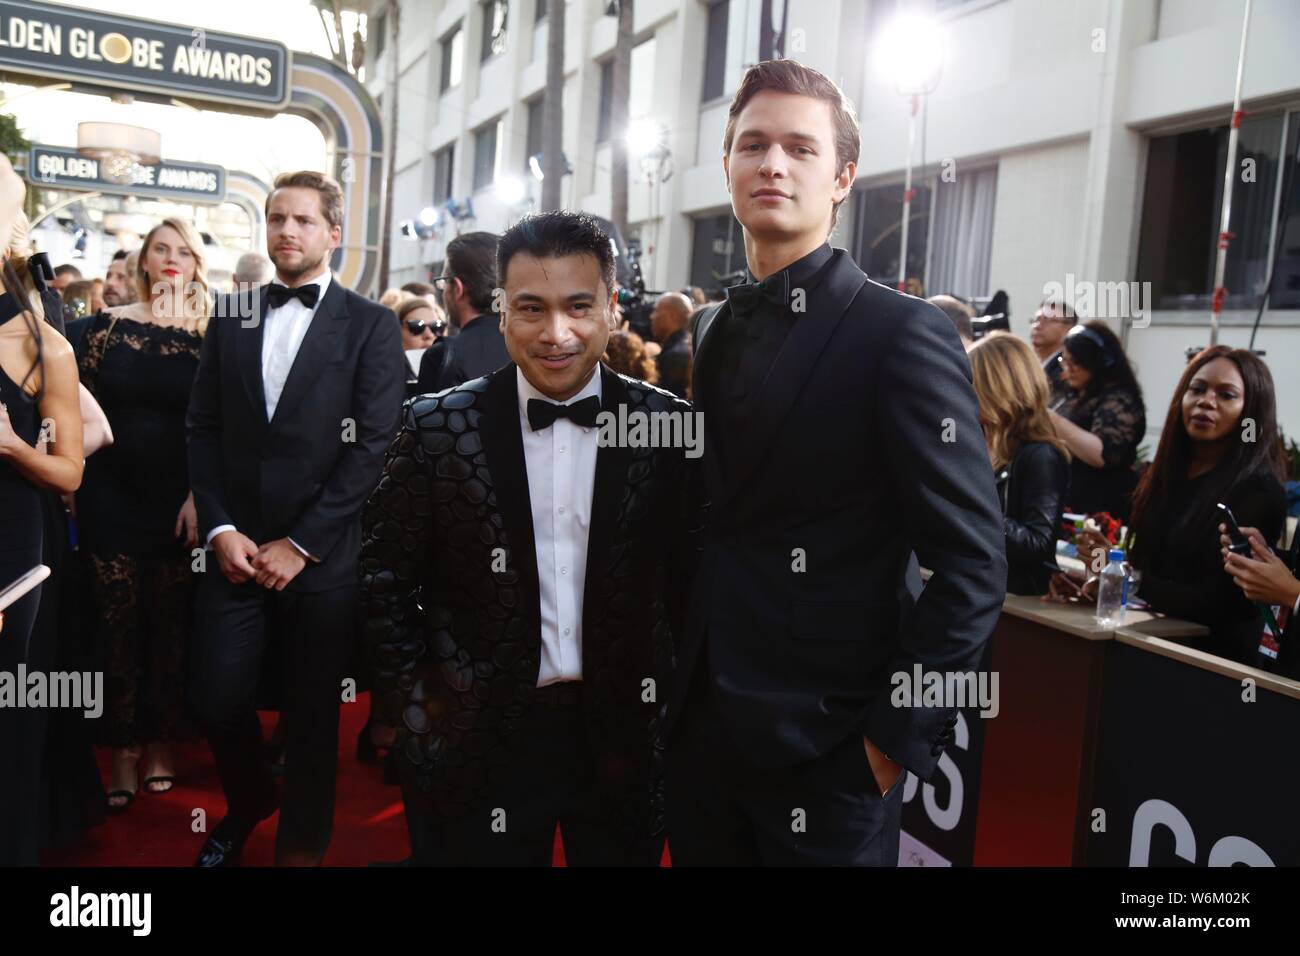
1219, 444
40, 448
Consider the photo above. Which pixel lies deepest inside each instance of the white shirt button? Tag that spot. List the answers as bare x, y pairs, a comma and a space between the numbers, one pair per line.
561, 509
566, 630
564, 570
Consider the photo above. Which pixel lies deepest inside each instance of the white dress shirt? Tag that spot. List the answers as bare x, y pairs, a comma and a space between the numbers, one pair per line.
284, 329
561, 466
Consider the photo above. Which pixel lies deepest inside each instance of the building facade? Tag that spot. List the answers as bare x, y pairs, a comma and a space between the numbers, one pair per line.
1077, 145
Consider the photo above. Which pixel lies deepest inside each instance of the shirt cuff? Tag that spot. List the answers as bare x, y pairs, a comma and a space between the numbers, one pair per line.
303, 551
216, 531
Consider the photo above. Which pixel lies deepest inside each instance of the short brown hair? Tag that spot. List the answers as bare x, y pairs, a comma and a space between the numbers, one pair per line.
331, 193
791, 76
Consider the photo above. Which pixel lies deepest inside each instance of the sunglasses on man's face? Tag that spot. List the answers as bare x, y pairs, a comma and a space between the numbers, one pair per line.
417, 326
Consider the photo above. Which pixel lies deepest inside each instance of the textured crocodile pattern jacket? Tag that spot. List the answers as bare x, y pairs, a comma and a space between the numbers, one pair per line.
450, 594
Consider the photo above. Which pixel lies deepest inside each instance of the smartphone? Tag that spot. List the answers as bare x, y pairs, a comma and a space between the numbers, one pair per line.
1052, 566
1239, 543
24, 584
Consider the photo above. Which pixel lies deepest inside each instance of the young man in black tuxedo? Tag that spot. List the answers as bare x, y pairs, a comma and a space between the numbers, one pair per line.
842, 435
297, 395
522, 576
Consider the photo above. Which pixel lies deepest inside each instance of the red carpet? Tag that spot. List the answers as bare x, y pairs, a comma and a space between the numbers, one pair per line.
159, 829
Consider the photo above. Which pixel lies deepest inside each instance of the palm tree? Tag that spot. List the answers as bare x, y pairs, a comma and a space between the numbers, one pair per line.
390, 100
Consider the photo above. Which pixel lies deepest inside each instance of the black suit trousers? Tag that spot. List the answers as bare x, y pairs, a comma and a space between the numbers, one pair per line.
722, 811
318, 630
547, 781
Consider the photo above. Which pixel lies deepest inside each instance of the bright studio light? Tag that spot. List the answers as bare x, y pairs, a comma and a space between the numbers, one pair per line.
644, 136
910, 54
510, 190
429, 216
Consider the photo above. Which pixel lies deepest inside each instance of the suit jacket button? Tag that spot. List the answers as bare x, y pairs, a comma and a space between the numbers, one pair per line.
936, 750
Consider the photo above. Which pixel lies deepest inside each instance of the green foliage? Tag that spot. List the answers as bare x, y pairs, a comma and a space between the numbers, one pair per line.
12, 141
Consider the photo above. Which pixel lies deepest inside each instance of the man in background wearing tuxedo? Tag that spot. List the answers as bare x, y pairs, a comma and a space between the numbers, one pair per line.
297, 395
522, 578
466, 286
841, 435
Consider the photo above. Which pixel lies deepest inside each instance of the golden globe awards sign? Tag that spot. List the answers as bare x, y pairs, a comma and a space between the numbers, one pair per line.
131, 54
58, 167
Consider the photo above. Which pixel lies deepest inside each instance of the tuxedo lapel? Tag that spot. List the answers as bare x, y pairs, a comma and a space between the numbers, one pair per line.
318, 346
503, 444
610, 481
248, 352
704, 385
807, 340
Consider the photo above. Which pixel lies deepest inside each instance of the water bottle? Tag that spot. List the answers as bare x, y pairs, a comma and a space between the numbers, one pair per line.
1112, 593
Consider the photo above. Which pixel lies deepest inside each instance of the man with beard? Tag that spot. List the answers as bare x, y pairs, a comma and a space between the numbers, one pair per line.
466, 287
296, 398
119, 285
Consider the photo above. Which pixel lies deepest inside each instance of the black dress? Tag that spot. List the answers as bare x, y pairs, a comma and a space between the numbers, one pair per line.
141, 375
1178, 554
1117, 416
20, 551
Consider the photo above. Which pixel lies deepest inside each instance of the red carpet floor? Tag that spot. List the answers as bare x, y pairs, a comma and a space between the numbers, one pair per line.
159, 829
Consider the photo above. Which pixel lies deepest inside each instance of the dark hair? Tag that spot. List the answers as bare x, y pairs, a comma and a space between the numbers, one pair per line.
1244, 460
558, 233
119, 255
419, 288
331, 193
1094, 347
625, 352
791, 76
472, 258
958, 312
68, 269
1065, 310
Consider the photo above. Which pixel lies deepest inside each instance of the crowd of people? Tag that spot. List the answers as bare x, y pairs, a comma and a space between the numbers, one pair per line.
511, 584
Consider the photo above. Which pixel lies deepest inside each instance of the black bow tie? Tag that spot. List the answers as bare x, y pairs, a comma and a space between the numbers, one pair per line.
277, 295
543, 414
746, 298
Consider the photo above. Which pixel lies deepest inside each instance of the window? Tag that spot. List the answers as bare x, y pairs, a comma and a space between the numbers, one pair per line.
377, 34
444, 174
453, 59
533, 141
961, 250
771, 29
606, 101
494, 28
486, 154
717, 253
540, 11
878, 231
715, 52
1286, 274
1181, 204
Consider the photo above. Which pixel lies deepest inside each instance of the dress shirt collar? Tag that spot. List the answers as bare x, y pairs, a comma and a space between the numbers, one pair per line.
526, 391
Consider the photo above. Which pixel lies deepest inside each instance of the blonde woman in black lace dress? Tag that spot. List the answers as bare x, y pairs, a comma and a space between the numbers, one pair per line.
135, 511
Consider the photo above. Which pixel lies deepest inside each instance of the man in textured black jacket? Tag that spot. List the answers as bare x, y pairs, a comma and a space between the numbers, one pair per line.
842, 435
522, 570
